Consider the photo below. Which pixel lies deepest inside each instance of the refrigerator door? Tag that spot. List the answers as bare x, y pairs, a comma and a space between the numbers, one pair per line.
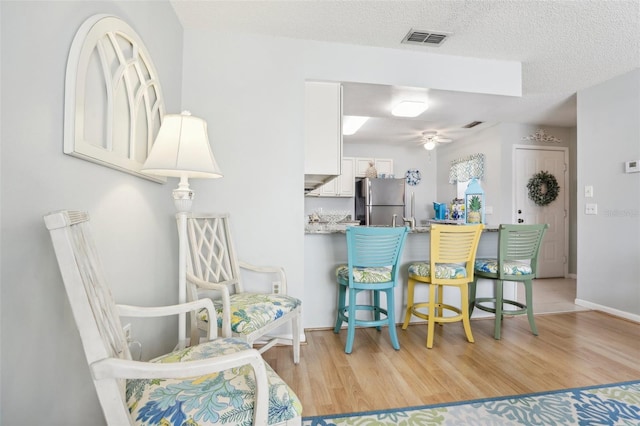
383, 215
384, 192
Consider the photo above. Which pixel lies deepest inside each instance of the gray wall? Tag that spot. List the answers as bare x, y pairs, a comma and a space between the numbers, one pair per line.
609, 242
44, 373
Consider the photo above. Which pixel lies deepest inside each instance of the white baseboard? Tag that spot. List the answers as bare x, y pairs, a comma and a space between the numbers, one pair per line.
573, 276
608, 310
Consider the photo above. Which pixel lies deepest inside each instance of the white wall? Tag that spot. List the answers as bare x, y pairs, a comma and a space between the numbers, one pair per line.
609, 242
44, 373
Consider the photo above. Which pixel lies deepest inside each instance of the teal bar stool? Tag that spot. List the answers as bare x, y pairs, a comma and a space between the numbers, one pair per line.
518, 248
373, 257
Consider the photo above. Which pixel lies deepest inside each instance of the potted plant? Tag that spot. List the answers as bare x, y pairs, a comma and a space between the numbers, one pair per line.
473, 213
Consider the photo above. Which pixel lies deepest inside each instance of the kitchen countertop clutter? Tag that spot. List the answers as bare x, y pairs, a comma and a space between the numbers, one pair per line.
340, 228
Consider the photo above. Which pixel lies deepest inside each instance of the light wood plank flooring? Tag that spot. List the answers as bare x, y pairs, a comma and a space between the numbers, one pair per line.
552, 295
573, 349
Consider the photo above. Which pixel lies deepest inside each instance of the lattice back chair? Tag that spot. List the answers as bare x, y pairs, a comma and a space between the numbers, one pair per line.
373, 255
451, 260
517, 261
208, 383
214, 271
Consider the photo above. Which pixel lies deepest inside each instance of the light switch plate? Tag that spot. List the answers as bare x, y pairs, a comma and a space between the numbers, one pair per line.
588, 191
632, 166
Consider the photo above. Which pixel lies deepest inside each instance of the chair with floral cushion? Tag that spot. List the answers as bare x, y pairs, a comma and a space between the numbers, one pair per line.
214, 271
373, 255
453, 251
517, 261
221, 381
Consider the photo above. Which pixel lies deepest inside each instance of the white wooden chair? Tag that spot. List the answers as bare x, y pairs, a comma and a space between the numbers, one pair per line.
217, 382
214, 271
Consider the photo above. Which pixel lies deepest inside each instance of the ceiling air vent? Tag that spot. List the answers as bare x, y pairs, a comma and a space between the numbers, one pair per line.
472, 124
425, 38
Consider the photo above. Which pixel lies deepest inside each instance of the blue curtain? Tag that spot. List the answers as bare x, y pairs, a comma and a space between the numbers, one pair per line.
463, 169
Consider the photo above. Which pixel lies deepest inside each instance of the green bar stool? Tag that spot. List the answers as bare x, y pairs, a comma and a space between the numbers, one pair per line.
518, 248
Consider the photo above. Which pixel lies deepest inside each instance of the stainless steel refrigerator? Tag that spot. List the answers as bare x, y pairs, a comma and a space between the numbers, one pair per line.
377, 200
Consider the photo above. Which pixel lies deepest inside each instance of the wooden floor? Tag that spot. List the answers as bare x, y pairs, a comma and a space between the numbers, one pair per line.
552, 295
573, 349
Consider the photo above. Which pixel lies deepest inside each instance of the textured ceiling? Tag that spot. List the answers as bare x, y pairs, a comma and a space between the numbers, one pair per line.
564, 46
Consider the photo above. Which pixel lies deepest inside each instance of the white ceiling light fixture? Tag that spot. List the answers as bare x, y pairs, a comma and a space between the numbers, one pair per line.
429, 145
409, 108
430, 139
352, 123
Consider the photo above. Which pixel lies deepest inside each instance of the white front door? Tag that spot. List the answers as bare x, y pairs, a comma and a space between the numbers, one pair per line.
552, 261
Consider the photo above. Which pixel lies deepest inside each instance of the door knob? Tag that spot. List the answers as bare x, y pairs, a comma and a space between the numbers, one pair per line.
520, 220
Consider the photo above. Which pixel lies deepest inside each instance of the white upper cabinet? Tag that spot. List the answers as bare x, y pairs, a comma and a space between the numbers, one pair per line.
323, 133
342, 186
382, 165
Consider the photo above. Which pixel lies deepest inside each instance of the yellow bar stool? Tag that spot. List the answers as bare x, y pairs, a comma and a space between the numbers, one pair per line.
453, 251
373, 257
517, 261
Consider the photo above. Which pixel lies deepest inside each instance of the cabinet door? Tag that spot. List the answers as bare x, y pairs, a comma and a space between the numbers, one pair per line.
362, 164
323, 128
342, 186
384, 166
330, 189
347, 181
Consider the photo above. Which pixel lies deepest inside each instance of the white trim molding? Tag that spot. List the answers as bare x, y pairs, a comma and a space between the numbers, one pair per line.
615, 312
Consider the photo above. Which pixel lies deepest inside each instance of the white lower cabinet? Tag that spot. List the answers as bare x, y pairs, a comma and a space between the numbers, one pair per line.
342, 186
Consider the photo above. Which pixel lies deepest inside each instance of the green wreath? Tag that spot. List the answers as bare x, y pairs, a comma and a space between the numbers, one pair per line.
543, 188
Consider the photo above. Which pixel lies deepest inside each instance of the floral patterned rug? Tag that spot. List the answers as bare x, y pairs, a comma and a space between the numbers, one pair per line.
614, 404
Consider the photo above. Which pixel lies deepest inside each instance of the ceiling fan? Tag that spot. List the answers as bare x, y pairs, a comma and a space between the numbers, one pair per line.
430, 139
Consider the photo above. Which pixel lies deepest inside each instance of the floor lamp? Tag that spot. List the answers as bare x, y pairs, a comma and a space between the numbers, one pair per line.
182, 150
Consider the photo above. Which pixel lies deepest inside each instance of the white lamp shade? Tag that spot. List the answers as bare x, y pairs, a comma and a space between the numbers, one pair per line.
182, 149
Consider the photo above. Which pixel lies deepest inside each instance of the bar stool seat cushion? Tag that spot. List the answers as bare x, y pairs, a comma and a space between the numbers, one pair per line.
380, 274
509, 267
443, 270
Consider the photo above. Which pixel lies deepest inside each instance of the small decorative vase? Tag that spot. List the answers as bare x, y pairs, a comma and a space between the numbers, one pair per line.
371, 172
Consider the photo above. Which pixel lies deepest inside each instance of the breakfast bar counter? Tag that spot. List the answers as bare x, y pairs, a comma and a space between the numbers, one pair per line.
326, 248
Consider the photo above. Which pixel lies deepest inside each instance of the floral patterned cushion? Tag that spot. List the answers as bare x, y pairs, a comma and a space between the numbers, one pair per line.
252, 311
511, 267
443, 270
224, 398
365, 275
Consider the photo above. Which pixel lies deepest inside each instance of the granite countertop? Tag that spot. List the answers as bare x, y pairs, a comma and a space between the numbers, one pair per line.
339, 228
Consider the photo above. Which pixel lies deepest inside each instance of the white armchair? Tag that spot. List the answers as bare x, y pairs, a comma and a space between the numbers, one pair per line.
207, 384
214, 271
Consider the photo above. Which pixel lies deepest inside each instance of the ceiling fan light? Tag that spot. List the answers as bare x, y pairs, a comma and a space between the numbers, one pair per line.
352, 123
409, 108
429, 145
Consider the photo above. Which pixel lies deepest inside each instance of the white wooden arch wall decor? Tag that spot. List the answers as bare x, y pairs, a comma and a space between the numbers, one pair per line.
113, 99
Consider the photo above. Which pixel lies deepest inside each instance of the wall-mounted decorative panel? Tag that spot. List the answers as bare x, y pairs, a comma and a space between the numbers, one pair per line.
113, 99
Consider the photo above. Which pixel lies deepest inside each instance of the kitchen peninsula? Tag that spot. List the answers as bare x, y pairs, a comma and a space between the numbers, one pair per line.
326, 248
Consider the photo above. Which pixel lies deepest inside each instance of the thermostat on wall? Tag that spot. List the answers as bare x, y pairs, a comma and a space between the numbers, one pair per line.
632, 166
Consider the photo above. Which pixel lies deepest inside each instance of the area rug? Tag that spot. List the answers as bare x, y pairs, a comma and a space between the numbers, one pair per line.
613, 404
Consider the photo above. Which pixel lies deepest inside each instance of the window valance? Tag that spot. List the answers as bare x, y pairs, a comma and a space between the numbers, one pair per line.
463, 169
